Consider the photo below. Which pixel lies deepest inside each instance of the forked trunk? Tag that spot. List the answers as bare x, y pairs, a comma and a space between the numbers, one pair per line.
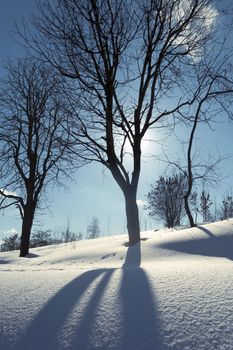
132, 216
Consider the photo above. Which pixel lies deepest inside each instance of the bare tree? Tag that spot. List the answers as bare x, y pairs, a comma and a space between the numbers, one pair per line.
215, 88
10, 243
211, 98
93, 228
67, 234
128, 58
205, 205
166, 199
226, 210
34, 141
41, 238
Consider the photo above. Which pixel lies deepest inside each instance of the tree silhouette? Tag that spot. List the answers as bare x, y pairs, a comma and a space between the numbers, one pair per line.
126, 60
34, 139
205, 205
93, 228
166, 199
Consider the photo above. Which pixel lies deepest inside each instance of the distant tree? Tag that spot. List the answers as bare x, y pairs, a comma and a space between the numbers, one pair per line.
226, 210
166, 199
10, 243
205, 205
34, 139
93, 228
41, 238
68, 235
56, 235
80, 236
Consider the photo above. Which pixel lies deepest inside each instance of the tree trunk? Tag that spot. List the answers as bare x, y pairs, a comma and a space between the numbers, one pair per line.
188, 211
26, 231
132, 216
189, 169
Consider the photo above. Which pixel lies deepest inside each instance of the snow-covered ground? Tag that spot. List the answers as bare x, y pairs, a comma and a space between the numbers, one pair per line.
172, 291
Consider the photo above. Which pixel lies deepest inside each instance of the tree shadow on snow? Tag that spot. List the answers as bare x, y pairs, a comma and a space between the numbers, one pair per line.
215, 246
136, 320
133, 256
45, 329
139, 318
2, 261
205, 230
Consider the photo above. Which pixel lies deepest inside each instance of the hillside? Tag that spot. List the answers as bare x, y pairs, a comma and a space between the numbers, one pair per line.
172, 291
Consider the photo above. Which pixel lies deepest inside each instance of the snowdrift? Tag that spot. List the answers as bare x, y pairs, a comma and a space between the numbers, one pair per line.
174, 290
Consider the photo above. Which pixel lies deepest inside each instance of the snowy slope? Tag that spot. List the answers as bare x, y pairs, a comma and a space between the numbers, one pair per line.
172, 291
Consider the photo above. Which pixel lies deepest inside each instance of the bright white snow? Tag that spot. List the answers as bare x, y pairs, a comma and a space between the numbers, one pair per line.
173, 291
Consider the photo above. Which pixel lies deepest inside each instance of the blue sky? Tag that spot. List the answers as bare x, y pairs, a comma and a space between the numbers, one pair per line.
94, 192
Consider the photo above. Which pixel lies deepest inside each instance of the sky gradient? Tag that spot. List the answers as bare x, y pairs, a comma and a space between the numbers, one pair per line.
94, 192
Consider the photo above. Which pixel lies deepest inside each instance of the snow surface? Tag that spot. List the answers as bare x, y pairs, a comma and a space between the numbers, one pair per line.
172, 291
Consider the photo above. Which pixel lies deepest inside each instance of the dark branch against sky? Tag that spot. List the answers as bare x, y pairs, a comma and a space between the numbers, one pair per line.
95, 193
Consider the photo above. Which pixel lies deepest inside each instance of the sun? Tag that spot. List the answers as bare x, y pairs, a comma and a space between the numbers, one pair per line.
148, 144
